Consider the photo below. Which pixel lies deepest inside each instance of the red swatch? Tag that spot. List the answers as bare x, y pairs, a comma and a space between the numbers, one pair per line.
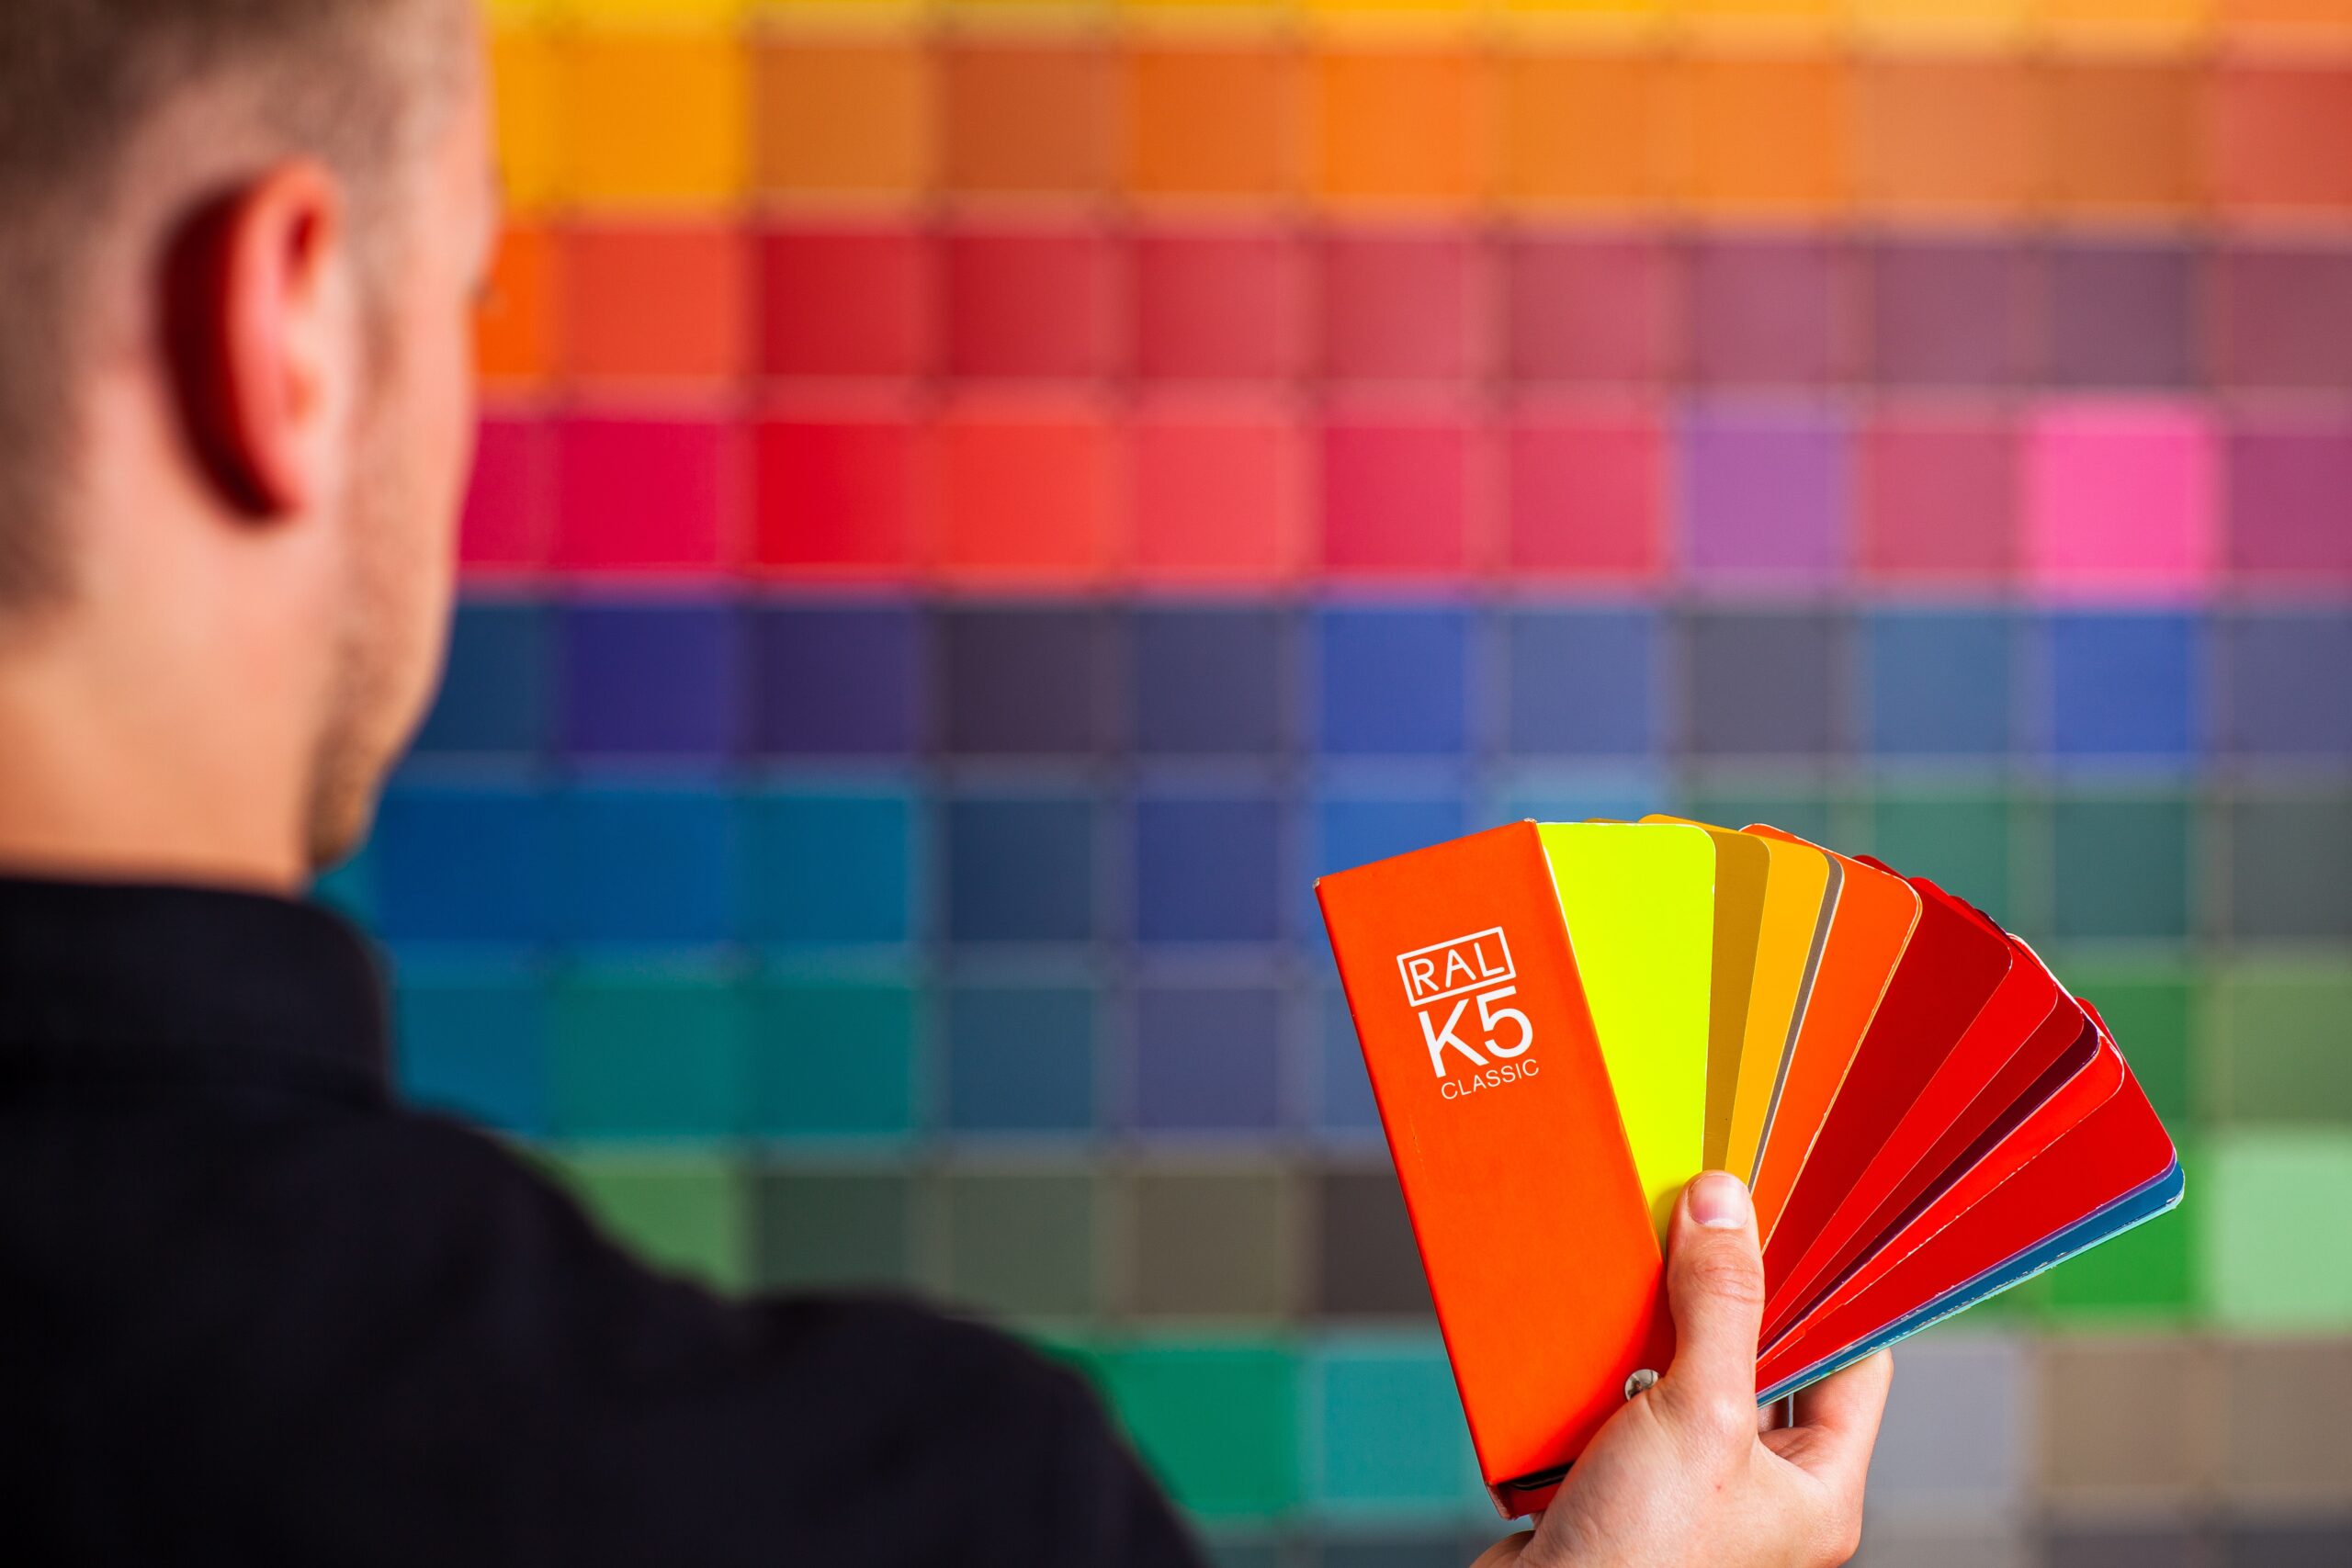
838, 496
845, 302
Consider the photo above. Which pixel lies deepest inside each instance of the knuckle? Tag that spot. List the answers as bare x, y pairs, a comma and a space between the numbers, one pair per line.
1716, 1423
1726, 1275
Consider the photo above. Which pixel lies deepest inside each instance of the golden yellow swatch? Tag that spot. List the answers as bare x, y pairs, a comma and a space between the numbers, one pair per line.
1798, 902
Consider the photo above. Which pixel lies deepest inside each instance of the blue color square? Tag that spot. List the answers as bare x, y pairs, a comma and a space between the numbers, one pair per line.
830, 681
1021, 1058
651, 680
1210, 681
1583, 682
1394, 681
833, 1059
2285, 687
657, 1053
493, 696
473, 1044
1019, 868
834, 868
1021, 682
1343, 1098
1937, 684
1208, 1059
471, 864
2123, 685
1209, 868
648, 866
1354, 829
1391, 1439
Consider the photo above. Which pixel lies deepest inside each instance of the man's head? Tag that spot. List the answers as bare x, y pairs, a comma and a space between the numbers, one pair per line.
240, 244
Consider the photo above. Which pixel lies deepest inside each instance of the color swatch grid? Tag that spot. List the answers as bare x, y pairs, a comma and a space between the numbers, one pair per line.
981, 502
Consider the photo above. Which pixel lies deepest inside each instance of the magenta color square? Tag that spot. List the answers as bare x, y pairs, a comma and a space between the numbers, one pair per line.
1771, 312
2118, 500
1401, 307
1031, 303
1398, 496
641, 495
1939, 498
509, 498
2289, 500
1585, 495
845, 302
1219, 306
1950, 312
2283, 317
1766, 495
1591, 311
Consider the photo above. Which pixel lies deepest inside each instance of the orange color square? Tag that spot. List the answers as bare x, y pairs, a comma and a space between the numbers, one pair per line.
1210, 119
1027, 492
1398, 126
842, 116
2120, 137
657, 302
1946, 134
2283, 138
1217, 496
524, 80
1586, 129
2287, 21
1768, 133
656, 119
515, 326
1028, 117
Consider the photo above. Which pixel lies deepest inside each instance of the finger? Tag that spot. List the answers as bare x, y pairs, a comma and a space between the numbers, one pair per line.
1504, 1552
1842, 1413
1714, 1283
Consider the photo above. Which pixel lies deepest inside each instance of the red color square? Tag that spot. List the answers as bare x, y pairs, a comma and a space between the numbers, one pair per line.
657, 302
1217, 492
1397, 497
1027, 492
1586, 490
1401, 307
1940, 498
845, 302
508, 499
641, 495
1219, 306
837, 496
1030, 304
1592, 309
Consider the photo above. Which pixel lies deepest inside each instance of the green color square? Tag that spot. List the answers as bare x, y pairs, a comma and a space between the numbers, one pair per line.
1020, 1243
1216, 1422
1959, 841
1736, 802
1390, 1438
647, 1054
2277, 1234
825, 1229
2148, 1272
684, 1213
2120, 865
832, 1060
2281, 1052
2290, 864
2153, 1011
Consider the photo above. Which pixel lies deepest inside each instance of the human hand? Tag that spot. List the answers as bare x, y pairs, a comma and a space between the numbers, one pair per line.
1690, 1474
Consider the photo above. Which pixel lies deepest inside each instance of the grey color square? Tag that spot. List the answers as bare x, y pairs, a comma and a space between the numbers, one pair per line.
1366, 1264
1764, 684
2289, 863
1958, 1436
2121, 316
1023, 682
2134, 1545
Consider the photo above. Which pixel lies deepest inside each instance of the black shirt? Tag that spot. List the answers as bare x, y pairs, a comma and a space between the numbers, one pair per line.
253, 1311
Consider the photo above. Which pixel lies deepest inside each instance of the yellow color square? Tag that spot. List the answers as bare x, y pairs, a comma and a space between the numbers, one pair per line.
1777, 20
1979, 22
529, 121
1607, 18
655, 120
709, 15
2155, 24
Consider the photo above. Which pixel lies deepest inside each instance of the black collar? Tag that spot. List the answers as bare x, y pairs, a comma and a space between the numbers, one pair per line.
98, 975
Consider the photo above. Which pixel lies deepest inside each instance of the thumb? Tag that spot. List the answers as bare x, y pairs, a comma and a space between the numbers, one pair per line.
1714, 1283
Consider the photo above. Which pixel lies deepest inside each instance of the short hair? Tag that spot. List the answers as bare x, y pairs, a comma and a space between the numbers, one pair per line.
81, 82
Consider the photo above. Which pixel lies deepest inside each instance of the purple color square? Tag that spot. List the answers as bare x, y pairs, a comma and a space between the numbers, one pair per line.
1769, 312
1208, 1059
1950, 314
1401, 307
1767, 494
2283, 317
1591, 311
2121, 316
2289, 499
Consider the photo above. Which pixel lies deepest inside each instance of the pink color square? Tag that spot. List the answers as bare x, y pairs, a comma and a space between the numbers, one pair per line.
2289, 499
1030, 304
641, 495
509, 500
1940, 498
838, 496
1219, 306
1401, 307
2119, 499
1028, 491
1585, 494
845, 302
1398, 495
1591, 311
1218, 493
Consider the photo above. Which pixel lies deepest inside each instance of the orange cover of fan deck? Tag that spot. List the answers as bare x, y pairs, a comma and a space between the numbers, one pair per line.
1540, 1252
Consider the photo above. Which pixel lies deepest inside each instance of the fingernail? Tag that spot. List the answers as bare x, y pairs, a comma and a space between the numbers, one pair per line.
1719, 1201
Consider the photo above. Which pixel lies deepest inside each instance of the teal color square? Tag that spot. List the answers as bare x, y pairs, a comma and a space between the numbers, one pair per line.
2276, 1254
1217, 1423
1388, 1433
2120, 867
833, 1059
1961, 841
831, 868
651, 1054
473, 1044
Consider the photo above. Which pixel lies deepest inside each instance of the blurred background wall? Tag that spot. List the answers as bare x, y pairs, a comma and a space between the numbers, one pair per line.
980, 502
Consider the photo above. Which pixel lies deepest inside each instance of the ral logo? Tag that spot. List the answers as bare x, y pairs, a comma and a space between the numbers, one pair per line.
1444, 982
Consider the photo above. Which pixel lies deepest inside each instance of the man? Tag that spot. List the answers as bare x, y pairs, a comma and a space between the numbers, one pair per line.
254, 1312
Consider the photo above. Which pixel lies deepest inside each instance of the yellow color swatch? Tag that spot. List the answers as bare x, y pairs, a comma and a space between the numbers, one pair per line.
1742, 867
1640, 902
1800, 896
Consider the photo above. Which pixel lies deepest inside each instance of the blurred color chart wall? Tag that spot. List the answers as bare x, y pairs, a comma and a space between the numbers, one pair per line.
980, 502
